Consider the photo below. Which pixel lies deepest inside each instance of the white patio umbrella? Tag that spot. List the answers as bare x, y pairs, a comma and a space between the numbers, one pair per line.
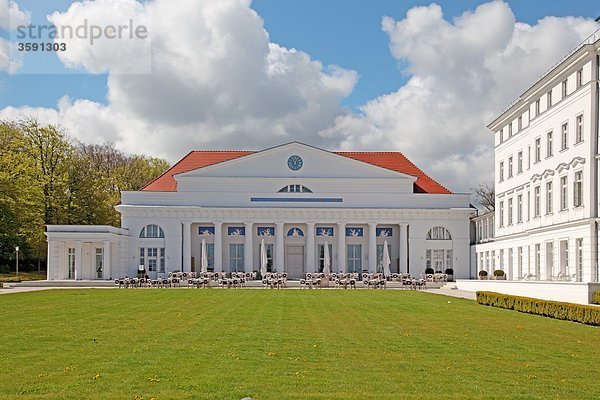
204, 260
263, 258
326, 259
386, 260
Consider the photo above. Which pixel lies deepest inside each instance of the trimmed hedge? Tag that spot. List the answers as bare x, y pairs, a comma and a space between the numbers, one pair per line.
588, 315
596, 298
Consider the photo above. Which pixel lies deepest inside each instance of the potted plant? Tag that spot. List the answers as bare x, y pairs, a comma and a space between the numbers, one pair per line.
450, 273
429, 271
483, 275
499, 275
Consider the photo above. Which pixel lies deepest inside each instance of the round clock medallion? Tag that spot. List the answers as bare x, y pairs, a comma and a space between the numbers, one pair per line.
295, 163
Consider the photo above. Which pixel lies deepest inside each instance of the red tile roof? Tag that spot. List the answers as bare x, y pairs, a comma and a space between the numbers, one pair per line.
394, 161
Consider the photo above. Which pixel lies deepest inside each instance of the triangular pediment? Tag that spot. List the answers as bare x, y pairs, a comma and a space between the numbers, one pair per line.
294, 160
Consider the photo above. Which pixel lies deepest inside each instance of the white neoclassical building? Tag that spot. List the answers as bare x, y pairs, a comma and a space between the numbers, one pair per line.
295, 197
546, 181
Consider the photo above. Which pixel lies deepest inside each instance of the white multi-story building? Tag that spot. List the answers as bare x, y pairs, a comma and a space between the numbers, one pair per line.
297, 198
546, 180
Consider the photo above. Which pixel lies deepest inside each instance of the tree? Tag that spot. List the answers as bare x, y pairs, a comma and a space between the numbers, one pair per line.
485, 195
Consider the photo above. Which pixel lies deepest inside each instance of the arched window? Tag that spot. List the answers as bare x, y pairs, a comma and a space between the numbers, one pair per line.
438, 233
295, 189
152, 231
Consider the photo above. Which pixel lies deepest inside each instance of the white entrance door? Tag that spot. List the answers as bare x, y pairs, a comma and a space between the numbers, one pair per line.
294, 261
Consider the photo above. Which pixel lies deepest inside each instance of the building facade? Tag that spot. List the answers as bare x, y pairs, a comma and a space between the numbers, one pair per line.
295, 198
546, 177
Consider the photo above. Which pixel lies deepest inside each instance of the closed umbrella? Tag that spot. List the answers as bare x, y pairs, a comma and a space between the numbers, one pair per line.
204, 260
326, 260
386, 260
263, 258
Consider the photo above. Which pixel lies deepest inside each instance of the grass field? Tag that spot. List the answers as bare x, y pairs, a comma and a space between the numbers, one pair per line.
285, 344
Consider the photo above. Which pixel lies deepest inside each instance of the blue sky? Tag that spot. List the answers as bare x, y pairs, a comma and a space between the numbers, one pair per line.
329, 73
340, 32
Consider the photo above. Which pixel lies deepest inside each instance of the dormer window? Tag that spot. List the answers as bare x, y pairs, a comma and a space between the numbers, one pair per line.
295, 189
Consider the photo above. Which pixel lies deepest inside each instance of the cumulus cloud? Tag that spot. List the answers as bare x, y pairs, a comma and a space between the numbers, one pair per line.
461, 74
217, 81
11, 15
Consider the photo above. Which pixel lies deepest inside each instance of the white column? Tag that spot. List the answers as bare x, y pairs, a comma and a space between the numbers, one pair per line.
310, 247
279, 256
403, 249
372, 247
187, 247
341, 246
218, 247
49, 266
106, 267
78, 260
248, 250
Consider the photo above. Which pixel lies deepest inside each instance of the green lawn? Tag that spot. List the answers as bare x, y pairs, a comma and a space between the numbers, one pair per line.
285, 344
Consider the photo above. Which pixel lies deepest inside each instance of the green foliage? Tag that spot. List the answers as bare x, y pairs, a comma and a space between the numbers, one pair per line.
498, 272
588, 315
596, 298
48, 179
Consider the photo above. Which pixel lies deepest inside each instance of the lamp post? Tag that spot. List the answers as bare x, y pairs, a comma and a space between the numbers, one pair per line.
17, 251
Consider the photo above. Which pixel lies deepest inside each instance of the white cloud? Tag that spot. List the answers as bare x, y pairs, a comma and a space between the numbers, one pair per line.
462, 73
11, 15
218, 81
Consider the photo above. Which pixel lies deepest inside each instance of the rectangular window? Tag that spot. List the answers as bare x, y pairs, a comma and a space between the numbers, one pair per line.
528, 205
354, 254
510, 167
549, 99
549, 260
510, 272
564, 136
71, 263
236, 257
537, 107
501, 215
519, 262
563, 258
501, 260
269, 249
142, 257
485, 230
549, 151
479, 230
501, 135
548, 197
380, 256
99, 263
491, 227
536, 202
510, 130
538, 260
564, 88
152, 259
528, 157
579, 129
210, 257
510, 211
501, 171
579, 80
161, 265
321, 253
538, 149
519, 162
520, 208
493, 260
520, 123
579, 259
487, 260
564, 193
578, 189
